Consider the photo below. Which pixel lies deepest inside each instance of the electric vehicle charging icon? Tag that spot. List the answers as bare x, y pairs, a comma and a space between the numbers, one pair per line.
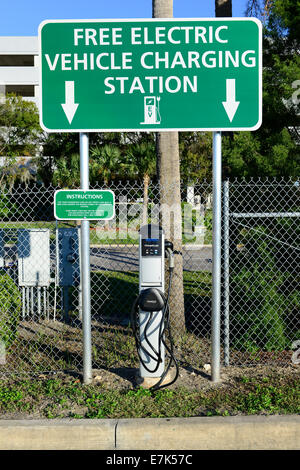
151, 110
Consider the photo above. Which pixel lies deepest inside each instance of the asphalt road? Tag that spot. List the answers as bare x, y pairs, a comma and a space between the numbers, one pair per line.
125, 258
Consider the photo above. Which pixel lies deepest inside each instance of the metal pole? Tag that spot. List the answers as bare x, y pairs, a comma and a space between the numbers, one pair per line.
80, 282
23, 302
251, 215
85, 275
32, 304
27, 301
46, 310
216, 267
226, 270
39, 302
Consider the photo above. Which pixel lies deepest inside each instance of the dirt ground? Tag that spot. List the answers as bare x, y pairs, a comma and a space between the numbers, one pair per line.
128, 378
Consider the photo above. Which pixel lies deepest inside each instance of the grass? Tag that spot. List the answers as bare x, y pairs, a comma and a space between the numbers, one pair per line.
56, 398
47, 345
114, 347
109, 286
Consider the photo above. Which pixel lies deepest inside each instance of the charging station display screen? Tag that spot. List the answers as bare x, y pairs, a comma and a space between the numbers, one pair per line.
151, 247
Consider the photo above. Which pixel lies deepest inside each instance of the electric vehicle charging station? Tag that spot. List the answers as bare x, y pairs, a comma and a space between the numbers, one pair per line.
152, 276
150, 311
236, 115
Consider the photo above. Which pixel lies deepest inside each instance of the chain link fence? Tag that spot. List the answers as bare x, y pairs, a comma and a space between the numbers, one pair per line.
40, 288
261, 272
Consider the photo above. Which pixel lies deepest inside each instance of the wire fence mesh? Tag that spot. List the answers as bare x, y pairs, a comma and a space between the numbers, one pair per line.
261, 271
40, 289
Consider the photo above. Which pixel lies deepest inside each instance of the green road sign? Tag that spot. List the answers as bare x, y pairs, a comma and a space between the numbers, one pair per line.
80, 205
146, 75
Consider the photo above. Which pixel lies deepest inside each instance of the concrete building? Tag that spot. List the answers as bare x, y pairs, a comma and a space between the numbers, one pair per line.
19, 68
19, 74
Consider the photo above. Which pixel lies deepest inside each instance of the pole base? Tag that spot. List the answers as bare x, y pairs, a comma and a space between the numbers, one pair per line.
148, 382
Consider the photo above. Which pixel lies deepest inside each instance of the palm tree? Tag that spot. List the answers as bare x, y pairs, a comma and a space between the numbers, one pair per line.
170, 197
105, 162
140, 162
67, 172
24, 174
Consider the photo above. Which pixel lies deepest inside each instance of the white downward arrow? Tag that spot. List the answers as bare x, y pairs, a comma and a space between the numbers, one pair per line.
230, 104
69, 106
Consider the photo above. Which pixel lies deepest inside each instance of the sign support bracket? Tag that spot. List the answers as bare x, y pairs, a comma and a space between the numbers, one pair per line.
85, 264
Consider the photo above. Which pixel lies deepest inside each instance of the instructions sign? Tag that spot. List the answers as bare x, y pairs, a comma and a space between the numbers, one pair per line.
154, 74
84, 205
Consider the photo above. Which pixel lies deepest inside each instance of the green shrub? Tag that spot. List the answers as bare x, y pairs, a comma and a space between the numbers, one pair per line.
260, 313
7, 208
10, 308
260, 300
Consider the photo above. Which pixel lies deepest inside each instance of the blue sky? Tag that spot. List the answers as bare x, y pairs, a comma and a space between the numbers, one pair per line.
22, 17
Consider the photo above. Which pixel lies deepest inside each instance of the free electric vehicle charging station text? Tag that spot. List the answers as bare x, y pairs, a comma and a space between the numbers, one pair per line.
162, 74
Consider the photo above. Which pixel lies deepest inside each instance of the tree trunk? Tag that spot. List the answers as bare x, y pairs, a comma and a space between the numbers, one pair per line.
223, 8
162, 8
167, 149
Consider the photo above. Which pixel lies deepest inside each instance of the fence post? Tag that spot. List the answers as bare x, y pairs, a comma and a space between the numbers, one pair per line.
85, 254
226, 270
216, 268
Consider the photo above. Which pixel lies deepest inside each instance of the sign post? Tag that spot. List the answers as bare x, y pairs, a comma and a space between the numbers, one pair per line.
85, 264
216, 256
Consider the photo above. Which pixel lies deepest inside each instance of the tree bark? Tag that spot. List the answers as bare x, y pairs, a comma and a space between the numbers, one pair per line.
162, 8
167, 149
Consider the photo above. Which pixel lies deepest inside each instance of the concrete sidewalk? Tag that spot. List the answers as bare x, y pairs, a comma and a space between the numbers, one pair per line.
207, 433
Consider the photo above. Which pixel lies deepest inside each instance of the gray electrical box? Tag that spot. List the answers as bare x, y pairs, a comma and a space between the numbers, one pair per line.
151, 275
68, 257
34, 257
